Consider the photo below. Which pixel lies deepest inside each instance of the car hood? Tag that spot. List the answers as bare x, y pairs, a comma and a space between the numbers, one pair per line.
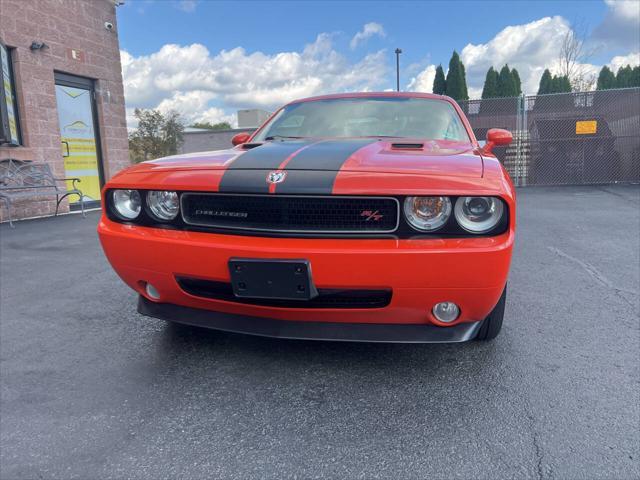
397, 155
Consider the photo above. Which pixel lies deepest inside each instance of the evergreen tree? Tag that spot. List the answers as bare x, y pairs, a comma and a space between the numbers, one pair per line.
624, 78
560, 84
516, 80
606, 79
465, 91
506, 83
456, 85
439, 83
490, 89
635, 74
545, 83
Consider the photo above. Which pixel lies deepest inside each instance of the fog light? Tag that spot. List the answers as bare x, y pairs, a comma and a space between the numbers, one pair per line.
446, 312
152, 292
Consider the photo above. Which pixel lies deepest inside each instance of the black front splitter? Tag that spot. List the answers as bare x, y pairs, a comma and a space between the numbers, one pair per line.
308, 330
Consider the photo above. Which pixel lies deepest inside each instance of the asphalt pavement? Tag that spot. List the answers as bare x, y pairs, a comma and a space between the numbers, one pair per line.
90, 389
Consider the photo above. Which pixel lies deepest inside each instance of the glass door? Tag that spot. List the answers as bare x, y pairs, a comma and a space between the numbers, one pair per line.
79, 137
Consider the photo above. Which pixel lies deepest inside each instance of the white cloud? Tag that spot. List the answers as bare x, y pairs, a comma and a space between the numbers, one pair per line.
629, 9
620, 26
202, 86
188, 104
530, 48
132, 122
474, 92
192, 106
618, 61
369, 30
423, 81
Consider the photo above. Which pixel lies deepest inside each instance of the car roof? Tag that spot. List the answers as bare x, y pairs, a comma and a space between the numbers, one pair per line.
373, 94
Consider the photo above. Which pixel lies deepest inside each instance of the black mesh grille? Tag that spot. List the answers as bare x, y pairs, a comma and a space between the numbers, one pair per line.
327, 297
279, 213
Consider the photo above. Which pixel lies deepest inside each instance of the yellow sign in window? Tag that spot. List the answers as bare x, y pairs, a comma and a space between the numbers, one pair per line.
586, 127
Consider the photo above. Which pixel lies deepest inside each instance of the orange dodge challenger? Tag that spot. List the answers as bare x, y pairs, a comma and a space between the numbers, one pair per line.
360, 217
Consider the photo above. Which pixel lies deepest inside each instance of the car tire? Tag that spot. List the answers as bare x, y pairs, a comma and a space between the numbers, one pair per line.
492, 325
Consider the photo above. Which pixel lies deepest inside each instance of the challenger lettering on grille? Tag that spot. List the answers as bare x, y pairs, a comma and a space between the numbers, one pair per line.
218, 213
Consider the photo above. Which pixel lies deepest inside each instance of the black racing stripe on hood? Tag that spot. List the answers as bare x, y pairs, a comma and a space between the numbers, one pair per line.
314, 170
244, 181
248, 172
327, 155
307, 182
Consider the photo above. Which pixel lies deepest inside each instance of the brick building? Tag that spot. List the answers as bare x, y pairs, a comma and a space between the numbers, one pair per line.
62, 93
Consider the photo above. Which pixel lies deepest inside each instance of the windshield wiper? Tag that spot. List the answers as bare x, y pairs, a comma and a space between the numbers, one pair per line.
274, 137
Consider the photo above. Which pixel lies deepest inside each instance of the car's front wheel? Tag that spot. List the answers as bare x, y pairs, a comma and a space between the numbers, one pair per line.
492, 325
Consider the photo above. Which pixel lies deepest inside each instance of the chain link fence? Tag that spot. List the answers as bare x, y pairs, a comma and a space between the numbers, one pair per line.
566, 138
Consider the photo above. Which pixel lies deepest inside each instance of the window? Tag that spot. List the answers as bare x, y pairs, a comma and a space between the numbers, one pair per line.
414, 117
9, 126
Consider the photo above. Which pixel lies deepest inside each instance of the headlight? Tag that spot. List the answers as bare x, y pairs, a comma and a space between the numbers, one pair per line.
427, 213
164, 205
127, 203
478, 214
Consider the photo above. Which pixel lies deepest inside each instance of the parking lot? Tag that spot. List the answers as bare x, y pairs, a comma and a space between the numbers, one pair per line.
91, 389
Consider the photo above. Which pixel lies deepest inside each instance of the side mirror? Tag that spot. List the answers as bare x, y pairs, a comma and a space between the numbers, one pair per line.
497, 137
240, 138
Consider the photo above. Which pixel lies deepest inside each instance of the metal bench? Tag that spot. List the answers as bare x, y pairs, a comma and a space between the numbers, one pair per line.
20, 179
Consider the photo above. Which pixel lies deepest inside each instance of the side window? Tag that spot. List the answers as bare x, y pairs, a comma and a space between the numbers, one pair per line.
9, 125
455, 128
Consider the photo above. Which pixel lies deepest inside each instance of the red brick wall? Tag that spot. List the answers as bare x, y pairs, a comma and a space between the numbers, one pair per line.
63, 25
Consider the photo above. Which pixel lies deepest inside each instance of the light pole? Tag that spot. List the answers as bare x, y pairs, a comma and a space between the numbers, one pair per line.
398, 52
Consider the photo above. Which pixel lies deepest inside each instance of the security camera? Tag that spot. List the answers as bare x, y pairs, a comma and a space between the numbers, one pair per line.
108, 26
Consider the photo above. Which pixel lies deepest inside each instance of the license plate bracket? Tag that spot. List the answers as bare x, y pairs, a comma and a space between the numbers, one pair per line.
286, 279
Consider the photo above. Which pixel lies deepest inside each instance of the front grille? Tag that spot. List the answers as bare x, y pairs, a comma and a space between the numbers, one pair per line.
327, 297
291, 214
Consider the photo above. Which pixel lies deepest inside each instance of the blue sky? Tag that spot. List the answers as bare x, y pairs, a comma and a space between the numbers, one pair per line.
206, 59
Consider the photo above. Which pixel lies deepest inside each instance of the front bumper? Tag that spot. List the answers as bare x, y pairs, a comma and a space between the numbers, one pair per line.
302, 330
471, 272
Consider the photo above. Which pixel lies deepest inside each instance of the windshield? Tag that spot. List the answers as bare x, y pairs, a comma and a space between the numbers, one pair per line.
367, 117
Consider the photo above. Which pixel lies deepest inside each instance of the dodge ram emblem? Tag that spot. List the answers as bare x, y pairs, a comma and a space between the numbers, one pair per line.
277, 176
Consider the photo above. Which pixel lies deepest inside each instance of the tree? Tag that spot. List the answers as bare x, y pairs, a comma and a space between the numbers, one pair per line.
490, 89
456, 84
173, 130
606, 79
465, 91
560, 84
212, 126
573, 56
545, 83
624, 77
506, 83
555, 84
439, 83
516, 80
635, 76
157, 135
